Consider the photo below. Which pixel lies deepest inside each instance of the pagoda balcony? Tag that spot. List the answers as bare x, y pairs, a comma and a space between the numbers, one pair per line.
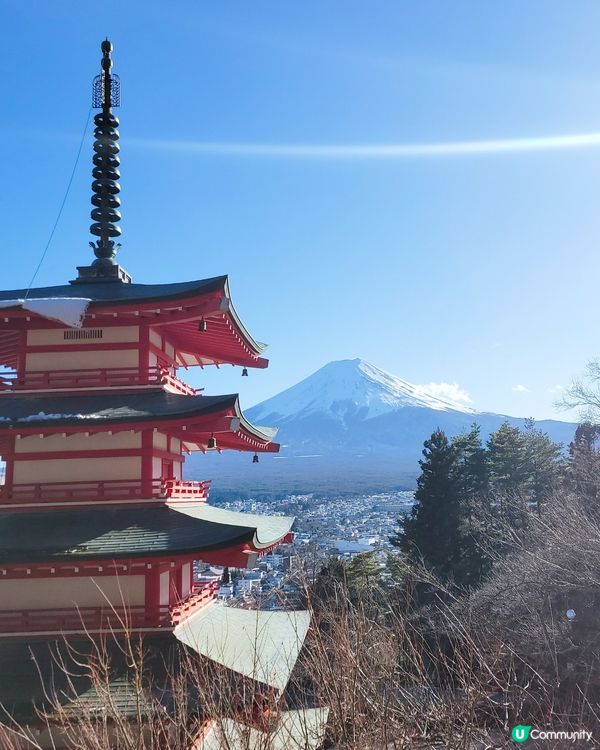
114, 377
106, 490
106, 618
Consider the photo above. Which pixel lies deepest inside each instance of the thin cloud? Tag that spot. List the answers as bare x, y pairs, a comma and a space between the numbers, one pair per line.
520, 388
373, 151
449, 391
556, 389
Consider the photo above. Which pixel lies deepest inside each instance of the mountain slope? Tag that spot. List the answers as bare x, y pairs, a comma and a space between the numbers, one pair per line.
350, 426
347, 390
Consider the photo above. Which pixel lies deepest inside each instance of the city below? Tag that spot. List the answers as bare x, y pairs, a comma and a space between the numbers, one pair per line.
339, 526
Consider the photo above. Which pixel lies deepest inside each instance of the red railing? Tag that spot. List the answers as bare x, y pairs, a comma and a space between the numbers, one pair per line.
109, 489
85, 618
97, 378
64, 619
176, 489
201, 596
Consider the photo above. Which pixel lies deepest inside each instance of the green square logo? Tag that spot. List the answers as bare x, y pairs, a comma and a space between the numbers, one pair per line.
520, 733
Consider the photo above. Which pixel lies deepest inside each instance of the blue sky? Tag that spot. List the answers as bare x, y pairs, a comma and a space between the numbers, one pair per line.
303, 149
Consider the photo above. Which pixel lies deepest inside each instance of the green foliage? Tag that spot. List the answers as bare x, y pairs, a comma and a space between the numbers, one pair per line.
432, 531
507, 453
472, 466
473, 479
543, 461
363, 570
582, 472
468, 492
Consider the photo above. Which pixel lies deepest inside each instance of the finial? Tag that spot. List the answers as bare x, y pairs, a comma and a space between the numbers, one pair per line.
106, 93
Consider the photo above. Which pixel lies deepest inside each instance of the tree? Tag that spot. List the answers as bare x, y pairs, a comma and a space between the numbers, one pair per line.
472, 469
582, 475
507, 454
472, 478
363, 570
543, 461
584, 393
431, 532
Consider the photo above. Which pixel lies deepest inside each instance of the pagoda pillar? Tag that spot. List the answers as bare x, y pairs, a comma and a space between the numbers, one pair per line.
144, 353
147, 462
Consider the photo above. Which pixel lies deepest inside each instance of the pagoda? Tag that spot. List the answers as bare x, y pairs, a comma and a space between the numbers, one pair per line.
98, 526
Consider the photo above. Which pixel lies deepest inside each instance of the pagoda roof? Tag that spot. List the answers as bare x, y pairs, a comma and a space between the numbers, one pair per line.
178, 307
96, 408
120, 293
259, 644
32, 675
190, 417
123, 533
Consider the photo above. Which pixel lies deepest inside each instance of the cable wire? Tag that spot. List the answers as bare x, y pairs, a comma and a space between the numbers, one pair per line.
62, 205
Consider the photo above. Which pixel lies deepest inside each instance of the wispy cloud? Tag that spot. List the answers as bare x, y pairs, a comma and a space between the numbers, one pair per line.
520, 388
556, 389
449, 391
373, 151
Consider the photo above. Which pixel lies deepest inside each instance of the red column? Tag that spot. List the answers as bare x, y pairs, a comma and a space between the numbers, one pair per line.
9, 459
144, 352
22, 357
147, 454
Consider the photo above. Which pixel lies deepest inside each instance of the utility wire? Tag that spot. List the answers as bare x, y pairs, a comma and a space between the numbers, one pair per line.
62, 205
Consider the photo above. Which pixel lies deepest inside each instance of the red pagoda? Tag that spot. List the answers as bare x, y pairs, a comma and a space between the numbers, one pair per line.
97, 522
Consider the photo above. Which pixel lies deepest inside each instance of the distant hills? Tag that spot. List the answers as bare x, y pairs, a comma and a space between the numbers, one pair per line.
349, 427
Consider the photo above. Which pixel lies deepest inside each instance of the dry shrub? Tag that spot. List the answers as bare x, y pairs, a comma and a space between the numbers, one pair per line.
455, 673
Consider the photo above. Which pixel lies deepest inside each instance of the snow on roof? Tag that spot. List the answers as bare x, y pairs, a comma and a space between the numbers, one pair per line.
67, 310
42, 417
261, 645
295, 730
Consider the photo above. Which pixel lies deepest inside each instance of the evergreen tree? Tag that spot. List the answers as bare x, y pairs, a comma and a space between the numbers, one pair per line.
507, 452
472, 478
472, 469
582, 474
432, 530
363, 570
543, 461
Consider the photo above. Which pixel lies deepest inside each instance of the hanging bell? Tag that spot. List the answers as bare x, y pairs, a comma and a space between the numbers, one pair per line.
255, 458
245, 372
212, 442
202, 325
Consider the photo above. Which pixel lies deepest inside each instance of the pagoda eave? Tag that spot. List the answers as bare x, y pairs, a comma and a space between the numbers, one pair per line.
161, 531
178, 313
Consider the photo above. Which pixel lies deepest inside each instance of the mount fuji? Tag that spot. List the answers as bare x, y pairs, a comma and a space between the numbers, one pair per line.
352, 427
348, 390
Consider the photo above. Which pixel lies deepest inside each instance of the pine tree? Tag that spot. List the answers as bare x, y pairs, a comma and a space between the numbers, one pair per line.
363, 570
472, 468
582, 474
508, 460
543, 461
472, 477
432, 530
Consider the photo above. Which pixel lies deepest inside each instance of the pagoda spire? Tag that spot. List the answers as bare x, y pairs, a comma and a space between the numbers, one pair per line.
105, 187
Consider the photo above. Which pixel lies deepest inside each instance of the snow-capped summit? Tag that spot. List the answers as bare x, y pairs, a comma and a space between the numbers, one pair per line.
350, 389
351, 426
